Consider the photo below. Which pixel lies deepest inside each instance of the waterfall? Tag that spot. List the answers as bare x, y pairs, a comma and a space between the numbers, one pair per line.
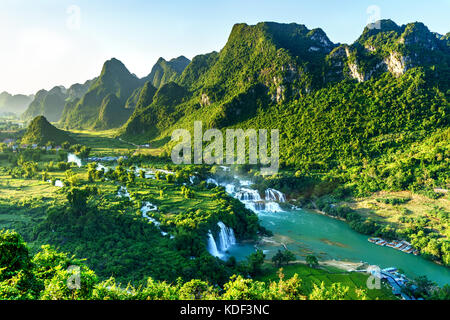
255, 206
100, 167
244, 183
229, 188
74, 158
273, 207
212, 181
226, 240
123, 192
212, 247
226, 237
275, 195
248, 195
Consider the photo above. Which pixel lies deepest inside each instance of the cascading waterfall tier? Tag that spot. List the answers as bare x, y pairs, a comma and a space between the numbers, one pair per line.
226, 240
251, 198
212, 247
274, 195
246, 194
226, 237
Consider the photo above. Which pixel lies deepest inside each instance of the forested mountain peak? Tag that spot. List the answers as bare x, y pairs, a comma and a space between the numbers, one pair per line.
114, 74
40, 131
48, 103
165, 71
271, 71
114, 79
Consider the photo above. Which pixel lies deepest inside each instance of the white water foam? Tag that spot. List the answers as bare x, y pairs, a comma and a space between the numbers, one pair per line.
123, 193
74, 158
274, 195
212, 247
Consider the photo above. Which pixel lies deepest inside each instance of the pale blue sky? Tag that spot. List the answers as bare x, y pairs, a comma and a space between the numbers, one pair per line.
51, 42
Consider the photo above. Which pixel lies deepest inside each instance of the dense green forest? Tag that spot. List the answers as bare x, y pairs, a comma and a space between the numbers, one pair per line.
46, 274
364, 138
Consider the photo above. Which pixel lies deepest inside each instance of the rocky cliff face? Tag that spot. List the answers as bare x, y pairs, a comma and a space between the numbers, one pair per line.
391, 48
396, 64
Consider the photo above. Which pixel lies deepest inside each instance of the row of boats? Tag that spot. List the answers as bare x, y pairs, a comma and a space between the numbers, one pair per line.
395, 244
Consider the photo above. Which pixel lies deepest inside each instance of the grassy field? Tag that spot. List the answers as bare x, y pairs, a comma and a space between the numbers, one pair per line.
23, 203
414, 206
103, 143
328, 275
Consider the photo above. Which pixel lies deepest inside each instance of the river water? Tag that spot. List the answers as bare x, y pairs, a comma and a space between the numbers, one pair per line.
305, 232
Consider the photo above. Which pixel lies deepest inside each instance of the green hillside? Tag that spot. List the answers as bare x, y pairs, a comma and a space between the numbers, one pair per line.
165, 71
50, 104
345, 103
115, 79
40, 131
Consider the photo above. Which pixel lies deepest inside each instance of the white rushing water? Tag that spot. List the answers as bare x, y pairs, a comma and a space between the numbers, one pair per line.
58, 183
226, 239
251, 198
123, 193
229, 188
274, 195
101, 167
74, 158
146, 208
212, 181
245, 194
212, 247
272, 207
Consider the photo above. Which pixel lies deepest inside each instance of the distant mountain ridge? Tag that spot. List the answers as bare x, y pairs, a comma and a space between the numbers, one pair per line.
115, 79
273, 70
51, 103
270, 71
111, 99
14, 104
165, 71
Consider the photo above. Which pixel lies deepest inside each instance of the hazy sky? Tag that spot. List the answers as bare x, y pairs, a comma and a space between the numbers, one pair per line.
57, 42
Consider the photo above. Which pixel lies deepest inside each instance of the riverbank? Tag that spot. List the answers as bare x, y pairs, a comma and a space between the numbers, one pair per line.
328, 274
316, 210
401, 213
